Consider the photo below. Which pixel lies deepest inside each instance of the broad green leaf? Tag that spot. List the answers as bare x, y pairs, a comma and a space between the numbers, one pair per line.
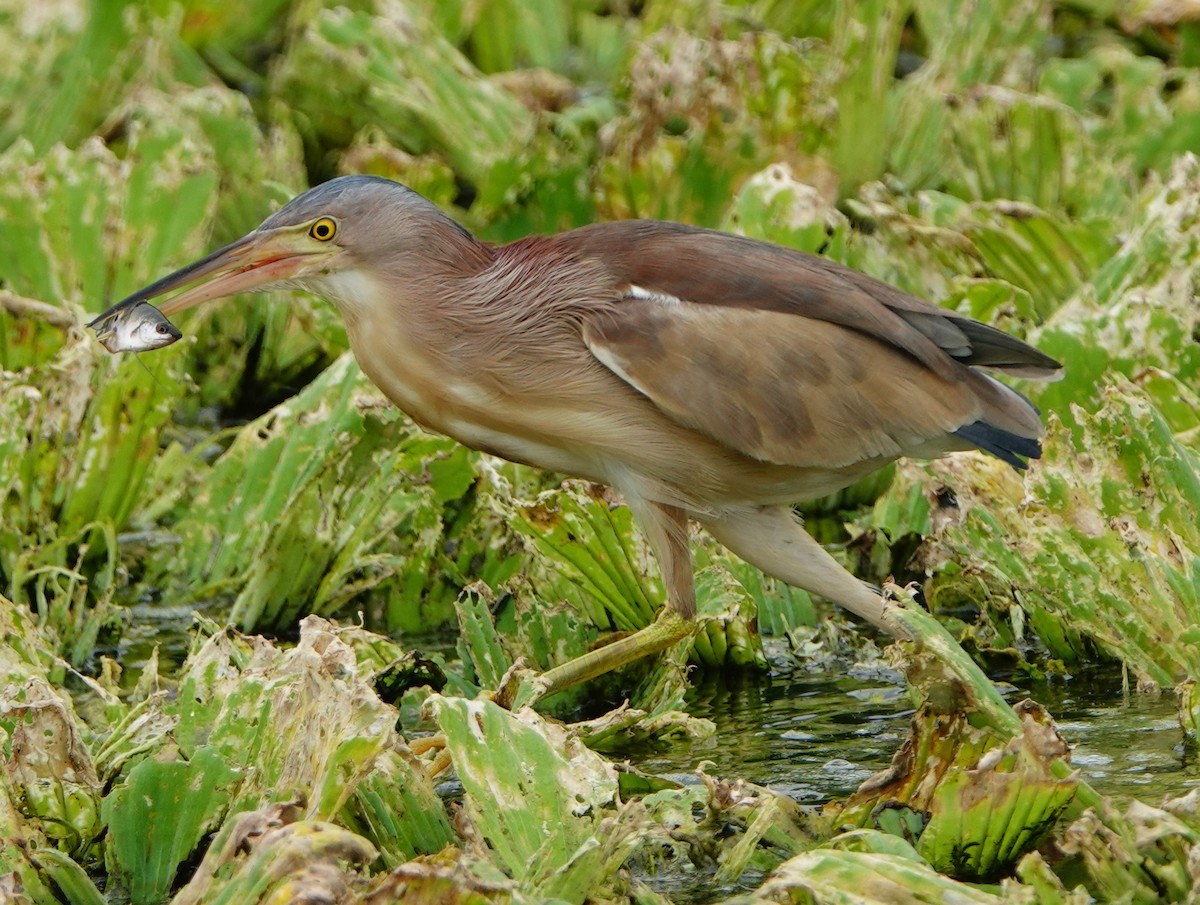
544, 803
158, 816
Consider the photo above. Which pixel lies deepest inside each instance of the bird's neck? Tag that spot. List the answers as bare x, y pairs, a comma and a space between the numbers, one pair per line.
457, 347
412, 280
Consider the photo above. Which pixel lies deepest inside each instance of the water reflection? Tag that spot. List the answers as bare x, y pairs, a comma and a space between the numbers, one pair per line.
816, 736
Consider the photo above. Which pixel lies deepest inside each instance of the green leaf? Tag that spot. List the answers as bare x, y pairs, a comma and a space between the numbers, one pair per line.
535, 796
160, 814
69, 877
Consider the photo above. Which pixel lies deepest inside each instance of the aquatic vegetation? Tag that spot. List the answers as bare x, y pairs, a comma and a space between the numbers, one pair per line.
1030, 164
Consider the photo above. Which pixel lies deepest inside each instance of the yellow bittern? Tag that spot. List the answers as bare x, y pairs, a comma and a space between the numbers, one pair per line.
707, 377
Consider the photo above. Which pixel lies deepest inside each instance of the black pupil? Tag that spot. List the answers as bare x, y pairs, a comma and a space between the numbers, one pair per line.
161, 328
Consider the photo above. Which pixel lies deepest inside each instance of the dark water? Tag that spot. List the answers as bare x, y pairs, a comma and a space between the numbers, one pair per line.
817, 735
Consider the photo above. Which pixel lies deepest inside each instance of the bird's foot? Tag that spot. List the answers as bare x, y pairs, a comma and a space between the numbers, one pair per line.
521, 686
895, 599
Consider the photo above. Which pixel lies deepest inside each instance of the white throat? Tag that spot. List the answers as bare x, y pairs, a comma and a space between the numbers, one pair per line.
354, 292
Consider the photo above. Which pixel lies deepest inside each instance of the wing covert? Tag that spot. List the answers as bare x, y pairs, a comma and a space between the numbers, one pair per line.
779, 387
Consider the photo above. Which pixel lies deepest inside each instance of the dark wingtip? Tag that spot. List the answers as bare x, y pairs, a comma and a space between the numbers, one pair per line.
1002, 444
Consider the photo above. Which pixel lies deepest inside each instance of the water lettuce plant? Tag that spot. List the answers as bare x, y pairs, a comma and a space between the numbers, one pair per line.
1030, 164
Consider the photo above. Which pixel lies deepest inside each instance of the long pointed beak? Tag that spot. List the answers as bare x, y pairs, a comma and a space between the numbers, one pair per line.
252, 262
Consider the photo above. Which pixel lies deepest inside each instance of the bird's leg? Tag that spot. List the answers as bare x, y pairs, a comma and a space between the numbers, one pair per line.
667, 530
773, 539
668, 628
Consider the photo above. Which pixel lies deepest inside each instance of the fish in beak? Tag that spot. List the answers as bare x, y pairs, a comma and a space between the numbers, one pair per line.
259, 260
134, 328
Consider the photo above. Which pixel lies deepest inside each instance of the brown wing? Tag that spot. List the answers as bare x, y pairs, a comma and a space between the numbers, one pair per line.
713, 268
795, 360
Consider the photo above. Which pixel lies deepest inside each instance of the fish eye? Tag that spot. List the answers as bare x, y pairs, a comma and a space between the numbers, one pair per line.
323, 230
162, 329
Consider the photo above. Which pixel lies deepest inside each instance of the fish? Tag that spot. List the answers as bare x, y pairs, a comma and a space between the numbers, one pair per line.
134, 328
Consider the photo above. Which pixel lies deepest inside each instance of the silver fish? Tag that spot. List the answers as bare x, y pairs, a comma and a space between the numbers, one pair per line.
136, 328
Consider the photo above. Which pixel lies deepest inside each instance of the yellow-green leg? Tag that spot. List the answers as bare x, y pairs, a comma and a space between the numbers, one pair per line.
521, 687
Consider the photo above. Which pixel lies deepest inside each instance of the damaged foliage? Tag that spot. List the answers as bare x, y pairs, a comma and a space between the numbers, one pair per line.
1028, 164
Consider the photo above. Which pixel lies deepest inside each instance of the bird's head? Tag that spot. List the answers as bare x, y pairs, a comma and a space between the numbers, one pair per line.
326, 240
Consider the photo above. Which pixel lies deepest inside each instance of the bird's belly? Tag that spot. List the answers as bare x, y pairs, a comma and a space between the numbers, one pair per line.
522, 447
654, 459
603, 433
530, 433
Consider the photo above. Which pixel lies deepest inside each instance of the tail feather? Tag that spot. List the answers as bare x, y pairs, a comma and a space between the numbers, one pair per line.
1003, 444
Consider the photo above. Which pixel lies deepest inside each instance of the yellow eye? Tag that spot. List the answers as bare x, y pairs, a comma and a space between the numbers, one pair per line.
323, 230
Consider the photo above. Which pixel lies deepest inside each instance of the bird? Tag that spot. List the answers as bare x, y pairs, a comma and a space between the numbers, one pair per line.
707, 377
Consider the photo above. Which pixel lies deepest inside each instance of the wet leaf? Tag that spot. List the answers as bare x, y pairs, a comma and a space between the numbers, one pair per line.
68, 876
857, 878
401, 75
